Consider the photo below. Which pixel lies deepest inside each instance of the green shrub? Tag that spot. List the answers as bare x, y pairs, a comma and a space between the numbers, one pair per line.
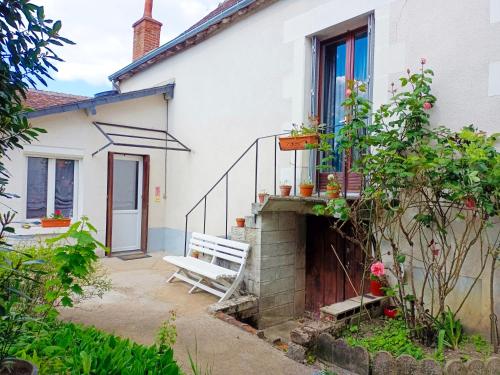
67, 348
452, 327
393, 337
31, 288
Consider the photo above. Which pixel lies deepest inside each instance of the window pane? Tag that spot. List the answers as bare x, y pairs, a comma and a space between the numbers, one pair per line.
125, 184
361, 57
36, 196
65, 186
335, 81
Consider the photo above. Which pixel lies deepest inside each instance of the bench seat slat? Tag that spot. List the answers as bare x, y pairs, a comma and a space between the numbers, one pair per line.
222, 241
212, 271
219, 255
218, 248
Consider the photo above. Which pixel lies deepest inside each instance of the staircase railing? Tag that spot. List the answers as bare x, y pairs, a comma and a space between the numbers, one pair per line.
225, 178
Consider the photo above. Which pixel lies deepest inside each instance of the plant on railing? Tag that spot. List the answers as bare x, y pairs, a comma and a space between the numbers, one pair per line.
430, 201
303, 137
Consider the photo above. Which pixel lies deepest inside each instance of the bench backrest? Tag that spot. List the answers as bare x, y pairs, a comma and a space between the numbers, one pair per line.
219, 248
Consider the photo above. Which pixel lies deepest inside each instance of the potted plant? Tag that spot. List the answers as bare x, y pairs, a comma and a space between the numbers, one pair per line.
332, 187
377, 271
262, 196
240, 222
56, 220
285, 189
391, 312
302, 137
306, 188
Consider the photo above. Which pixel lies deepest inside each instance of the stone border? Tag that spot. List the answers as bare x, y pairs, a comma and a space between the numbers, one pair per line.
358, 360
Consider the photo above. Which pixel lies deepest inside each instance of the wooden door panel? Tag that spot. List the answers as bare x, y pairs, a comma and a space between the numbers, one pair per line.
326, 281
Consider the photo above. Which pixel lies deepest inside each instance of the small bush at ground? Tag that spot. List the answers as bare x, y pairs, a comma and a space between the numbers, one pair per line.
393, 337
66, 348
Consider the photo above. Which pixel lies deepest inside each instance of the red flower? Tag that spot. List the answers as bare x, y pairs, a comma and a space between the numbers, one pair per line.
58, 212
427, 106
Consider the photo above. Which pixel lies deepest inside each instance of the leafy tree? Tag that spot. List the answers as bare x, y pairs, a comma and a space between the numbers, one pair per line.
27, 39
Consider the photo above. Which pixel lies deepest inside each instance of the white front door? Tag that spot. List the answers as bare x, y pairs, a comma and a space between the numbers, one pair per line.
127, 202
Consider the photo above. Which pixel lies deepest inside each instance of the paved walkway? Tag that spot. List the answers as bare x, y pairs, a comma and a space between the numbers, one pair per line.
141, 300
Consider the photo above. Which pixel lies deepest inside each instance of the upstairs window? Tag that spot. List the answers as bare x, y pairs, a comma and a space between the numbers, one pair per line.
344, 58
51, 186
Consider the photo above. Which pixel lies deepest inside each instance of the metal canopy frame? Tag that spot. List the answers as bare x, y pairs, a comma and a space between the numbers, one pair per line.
179, 146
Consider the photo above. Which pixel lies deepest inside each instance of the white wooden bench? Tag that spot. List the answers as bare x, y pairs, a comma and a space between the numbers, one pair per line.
212, 272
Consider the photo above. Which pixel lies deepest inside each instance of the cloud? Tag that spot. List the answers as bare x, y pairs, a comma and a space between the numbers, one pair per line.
102, 30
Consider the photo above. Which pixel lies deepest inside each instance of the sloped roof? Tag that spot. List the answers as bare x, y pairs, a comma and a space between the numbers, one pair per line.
227, 13
39, 99
109, 97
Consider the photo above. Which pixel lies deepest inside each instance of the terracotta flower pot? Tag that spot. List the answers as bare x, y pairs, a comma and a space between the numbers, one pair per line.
240, 222
376, 288
262, 197
332, 192
306, 190
390, 312
285, 190
17, 366
55, 223
299, 142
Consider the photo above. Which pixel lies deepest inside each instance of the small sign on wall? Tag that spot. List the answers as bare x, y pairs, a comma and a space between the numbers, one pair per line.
157, 194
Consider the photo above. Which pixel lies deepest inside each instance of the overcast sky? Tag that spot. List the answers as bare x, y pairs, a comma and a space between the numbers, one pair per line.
102, 31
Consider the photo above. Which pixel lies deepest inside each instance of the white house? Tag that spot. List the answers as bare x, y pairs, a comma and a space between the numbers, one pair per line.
188, 109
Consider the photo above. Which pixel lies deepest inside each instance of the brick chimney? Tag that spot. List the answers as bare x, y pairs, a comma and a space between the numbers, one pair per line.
146, 32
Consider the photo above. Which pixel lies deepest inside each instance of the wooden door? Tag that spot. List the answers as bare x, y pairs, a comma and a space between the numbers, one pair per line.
326, 281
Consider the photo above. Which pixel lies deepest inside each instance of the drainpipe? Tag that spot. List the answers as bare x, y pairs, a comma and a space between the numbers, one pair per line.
166, 152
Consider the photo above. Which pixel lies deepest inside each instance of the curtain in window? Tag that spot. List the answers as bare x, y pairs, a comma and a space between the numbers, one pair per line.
36, 195
64, 186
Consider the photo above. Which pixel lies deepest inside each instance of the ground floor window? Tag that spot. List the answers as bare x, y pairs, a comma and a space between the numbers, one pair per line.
51, 186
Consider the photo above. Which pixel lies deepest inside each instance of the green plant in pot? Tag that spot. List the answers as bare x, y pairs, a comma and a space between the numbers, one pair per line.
306, 188
302, 137
377, 271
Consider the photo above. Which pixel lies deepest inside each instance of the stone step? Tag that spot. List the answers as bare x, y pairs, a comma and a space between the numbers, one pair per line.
350, 307
242, 307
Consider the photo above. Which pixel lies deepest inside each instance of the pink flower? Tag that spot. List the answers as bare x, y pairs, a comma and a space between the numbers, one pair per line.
378, 269
427, 106
348, 92
423, 60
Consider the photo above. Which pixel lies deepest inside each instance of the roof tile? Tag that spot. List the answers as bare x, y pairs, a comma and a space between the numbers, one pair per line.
39, 99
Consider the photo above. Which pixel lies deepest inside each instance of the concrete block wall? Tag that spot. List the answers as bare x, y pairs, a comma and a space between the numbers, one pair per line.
275, 270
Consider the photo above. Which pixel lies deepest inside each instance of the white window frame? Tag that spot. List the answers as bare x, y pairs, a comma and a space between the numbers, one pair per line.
52, 154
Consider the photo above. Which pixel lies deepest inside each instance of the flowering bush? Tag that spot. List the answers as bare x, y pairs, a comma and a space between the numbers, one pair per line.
431, 199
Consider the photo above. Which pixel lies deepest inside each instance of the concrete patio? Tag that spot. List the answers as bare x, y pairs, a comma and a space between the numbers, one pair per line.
141, 300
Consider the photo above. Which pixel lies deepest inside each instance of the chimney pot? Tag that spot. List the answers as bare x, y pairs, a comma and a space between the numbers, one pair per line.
148, 8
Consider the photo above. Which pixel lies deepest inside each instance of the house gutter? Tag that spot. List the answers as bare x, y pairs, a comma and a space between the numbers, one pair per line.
181, 38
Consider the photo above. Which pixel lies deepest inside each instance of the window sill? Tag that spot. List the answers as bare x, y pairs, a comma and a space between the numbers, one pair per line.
35, 230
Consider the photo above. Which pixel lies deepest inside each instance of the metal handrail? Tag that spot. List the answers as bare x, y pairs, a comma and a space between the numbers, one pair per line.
226, 175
